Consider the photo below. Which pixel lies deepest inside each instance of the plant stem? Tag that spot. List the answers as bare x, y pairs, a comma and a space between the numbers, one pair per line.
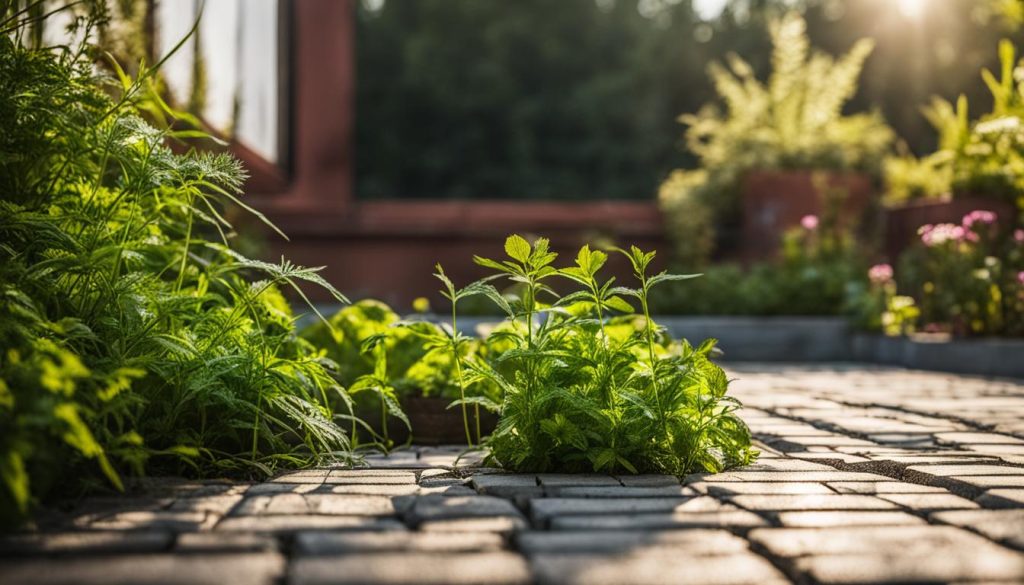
650, 351
458, 373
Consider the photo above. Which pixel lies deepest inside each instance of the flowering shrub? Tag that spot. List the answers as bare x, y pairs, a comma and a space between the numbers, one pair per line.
966, 276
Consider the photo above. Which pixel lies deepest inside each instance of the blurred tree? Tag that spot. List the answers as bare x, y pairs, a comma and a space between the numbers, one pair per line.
578, 99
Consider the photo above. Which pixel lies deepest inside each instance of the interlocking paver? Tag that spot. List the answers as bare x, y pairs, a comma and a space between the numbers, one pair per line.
299, 522
576, 480
867, 474
896, 567
372, 477
912, 540
930, 502
788, 476
148, 569
333, 543
733, 488
507, 485
84, 542
495, 524
725, 517
331, 504
234, 542
390, 490
694, 541
411, 568
611, 491
846, 518
648, 480
881, 487
654, 567
792, 502
434, 507
546, 508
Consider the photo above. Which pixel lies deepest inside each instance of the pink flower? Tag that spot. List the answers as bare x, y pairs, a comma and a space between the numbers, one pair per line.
880, 273
810, 222
1018, 236
934, 235
979, 216
1020, 278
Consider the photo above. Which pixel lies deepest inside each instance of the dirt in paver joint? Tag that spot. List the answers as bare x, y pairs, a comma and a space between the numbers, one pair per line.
867, 475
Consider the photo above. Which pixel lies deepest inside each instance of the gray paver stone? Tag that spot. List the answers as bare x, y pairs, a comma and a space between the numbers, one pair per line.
83, 543
642, 568
847, 518
801, 502
576, 480
410, 568
727, 517
334, 543
695, 541
435, 507
898, 568
148, 569
543, 509
930, 502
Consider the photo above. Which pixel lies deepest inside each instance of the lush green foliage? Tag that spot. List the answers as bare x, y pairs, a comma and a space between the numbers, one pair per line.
980, 157
134, 338
382, 359
795, 121
345, 335
585, 390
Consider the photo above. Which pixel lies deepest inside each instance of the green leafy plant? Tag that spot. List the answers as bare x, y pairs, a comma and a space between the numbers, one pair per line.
908, 178
985, 156
590, 385
795, 121
134, 338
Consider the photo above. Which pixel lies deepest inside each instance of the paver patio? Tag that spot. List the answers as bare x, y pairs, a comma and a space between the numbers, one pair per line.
866, 475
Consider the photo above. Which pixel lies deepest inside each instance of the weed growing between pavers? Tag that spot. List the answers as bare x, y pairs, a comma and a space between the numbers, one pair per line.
134, 338
588, 383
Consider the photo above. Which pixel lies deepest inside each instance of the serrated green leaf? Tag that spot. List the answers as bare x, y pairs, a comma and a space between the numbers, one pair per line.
517, 248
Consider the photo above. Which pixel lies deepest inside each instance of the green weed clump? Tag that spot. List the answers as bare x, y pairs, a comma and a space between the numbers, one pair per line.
134, 339
591, 384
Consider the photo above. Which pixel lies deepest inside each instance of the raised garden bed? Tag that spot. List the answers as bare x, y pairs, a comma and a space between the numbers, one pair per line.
774, 201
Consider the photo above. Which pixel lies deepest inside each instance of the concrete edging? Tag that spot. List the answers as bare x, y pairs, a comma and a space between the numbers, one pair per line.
985, 357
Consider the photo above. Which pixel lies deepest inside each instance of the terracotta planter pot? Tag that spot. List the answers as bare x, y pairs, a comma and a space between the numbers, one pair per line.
774, 201
433, 423
903, 221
